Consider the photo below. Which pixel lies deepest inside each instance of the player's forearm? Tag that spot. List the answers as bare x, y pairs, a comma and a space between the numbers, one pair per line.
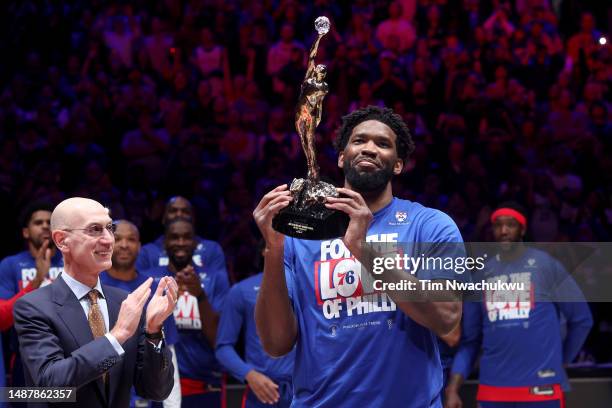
210, 321
454, 383
440, 317
228, 357
438, 310
274, 317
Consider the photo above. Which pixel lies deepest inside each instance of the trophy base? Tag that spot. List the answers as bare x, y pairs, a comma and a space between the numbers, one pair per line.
315, 222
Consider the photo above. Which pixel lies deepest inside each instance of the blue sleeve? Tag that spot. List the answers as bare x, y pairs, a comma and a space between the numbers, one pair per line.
230, 324
7, 289
571, 303
442, 240
215, 264
471, 336
217, 292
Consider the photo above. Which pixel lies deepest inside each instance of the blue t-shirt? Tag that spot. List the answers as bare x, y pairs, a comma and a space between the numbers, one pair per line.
238, 312
355, 348
207, 253
17, 271
520, 332
196, 359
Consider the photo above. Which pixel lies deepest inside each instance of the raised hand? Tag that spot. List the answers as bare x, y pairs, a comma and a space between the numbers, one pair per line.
43, 264
161, 305
189, 281
360, 216
267, 208
130, 312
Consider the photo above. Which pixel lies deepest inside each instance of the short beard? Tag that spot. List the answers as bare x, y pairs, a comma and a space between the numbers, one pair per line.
37, 243
367, 182
124, 266
179, 264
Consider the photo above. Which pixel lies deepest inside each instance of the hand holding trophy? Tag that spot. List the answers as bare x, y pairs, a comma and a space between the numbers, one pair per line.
307, 217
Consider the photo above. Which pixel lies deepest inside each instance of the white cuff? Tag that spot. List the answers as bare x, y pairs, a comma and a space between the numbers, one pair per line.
115, 343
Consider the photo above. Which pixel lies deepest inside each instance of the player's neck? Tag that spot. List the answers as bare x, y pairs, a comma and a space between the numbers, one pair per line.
513, 253
375, 200
123, 274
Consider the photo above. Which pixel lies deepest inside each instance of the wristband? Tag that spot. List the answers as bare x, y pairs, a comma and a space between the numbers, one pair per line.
155, 336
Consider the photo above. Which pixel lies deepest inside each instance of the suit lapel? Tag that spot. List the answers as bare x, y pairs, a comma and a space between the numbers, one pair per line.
72, 314
114, 305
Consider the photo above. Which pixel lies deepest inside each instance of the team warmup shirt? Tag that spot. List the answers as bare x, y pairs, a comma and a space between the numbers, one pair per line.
170, 331
17, 271
238, 312
207, 253
358, 349
196, 359
520, 332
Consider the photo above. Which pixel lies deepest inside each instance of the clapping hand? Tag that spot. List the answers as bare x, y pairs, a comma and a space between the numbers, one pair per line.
162, 304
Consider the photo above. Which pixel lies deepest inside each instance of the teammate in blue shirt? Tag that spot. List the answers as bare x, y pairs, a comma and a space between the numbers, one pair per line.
519, 331
268, 379
202, 291
40, 258
207, 252
356, 348
38, 265
124, 275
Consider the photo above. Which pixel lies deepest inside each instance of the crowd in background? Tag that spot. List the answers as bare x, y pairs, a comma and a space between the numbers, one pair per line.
131, 102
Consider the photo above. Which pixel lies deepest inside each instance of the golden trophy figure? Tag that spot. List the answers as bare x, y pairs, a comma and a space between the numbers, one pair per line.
307, 217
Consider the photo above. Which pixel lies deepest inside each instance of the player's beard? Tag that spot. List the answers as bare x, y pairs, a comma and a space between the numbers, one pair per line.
179, 262
368, 181
38, 242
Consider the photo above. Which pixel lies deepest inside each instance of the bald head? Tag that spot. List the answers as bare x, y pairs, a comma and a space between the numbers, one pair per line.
81, 230
70, 213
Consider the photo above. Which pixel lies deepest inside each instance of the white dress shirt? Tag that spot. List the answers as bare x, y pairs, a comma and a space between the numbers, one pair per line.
81, 290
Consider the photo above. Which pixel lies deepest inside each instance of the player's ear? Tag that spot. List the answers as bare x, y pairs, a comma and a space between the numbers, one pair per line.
25, 233
398, 166
341, 159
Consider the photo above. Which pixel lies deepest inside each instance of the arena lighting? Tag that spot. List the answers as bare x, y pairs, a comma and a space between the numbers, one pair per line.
602, 40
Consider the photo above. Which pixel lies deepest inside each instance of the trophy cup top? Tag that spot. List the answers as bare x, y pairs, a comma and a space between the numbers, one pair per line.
322, 25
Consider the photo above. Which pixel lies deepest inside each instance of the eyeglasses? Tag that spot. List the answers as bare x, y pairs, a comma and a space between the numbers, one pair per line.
96, 230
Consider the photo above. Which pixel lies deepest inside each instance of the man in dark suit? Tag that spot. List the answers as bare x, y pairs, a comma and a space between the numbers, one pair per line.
63, 328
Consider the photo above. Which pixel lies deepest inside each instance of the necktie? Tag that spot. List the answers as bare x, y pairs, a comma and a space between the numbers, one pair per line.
96, 320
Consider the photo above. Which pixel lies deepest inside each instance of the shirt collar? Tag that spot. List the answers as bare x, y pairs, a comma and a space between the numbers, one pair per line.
79, 289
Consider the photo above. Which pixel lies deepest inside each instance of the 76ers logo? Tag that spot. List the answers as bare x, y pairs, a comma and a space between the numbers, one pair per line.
337, 278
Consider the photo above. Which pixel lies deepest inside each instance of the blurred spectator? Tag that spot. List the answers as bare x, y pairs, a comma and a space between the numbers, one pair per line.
395, 28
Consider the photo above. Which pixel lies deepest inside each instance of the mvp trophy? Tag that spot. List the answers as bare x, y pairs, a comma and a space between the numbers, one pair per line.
307, 217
